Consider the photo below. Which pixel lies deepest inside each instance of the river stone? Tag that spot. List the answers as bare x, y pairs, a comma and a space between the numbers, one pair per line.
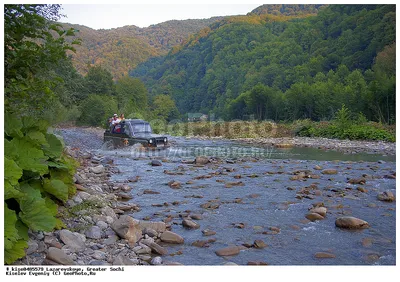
259, 244
314, 216
58, 256
102, 224
360, 181
350, 222
97, 169
74, 242
94, 232
158, 249
386, 196
128, 228
329, 171
319, 210
32, 247
171, 237
190, 224
228, 251
324, 255
158, 226
202, 160
108, 211
156, 163
208, 232
52, 242
156, 261
124, 260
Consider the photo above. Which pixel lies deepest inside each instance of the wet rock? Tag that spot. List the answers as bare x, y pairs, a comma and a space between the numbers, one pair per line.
74, 241
228, 251
174, 184
329, 171
128, 228
386, 196
314, 216
259, 244
208, 232
319, 210
59, 256
147, 191
156, 163
150, 232
324, 255
190, 224
360, 181
201, 160
171, 237
350, 222
367, 242
362, 189
231, 184
196, 216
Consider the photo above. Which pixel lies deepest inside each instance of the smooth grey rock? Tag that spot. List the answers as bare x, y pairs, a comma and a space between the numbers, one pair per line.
73, 241
59, 256
97, 169
94, 232
156, 261
171, 237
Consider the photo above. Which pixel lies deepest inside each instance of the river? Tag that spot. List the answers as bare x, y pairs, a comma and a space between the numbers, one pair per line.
247, 193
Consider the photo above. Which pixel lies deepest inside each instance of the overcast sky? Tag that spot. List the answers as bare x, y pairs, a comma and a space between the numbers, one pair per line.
106, 15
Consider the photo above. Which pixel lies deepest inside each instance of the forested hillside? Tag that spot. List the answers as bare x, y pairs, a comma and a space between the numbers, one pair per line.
284, 67
121, 49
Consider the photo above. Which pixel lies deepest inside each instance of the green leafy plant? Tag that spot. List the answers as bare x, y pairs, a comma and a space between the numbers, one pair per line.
37, 177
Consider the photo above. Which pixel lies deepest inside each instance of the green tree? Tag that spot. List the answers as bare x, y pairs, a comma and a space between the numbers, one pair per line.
164, 108
96, 109
99, 81
33, 45
132, 96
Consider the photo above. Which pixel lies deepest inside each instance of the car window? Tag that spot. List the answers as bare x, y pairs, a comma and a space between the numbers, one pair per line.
141, 128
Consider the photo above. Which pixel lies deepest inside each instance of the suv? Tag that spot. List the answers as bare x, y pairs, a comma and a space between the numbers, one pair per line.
133, 131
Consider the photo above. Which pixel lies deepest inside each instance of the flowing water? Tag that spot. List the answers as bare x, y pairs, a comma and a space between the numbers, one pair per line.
263, 197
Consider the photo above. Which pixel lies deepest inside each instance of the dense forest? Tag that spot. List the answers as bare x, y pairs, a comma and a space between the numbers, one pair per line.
120, 49
284, 67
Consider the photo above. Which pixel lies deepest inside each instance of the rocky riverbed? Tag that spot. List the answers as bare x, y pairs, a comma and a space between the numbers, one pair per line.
138, 209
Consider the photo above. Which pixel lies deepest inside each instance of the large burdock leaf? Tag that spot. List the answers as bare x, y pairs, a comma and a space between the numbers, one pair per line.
34, 212
16, 252
10, 231
56, 188
12, 126
54, 146
29, 157
12, 172
36, 137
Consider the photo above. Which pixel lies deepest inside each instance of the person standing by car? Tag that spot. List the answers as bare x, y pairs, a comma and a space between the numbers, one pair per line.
122, 117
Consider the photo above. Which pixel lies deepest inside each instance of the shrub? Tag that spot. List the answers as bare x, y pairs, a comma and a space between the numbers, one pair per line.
37, 176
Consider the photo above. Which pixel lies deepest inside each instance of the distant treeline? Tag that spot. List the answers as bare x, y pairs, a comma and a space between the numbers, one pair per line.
284, 67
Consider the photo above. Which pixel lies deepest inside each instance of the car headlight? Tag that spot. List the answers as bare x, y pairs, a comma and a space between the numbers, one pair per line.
151, 141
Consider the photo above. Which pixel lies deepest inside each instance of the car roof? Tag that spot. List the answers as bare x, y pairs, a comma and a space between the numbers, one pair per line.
136, 121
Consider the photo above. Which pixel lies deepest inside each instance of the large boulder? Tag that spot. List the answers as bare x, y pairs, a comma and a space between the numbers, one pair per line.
350, 222
128, 228
171, 237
